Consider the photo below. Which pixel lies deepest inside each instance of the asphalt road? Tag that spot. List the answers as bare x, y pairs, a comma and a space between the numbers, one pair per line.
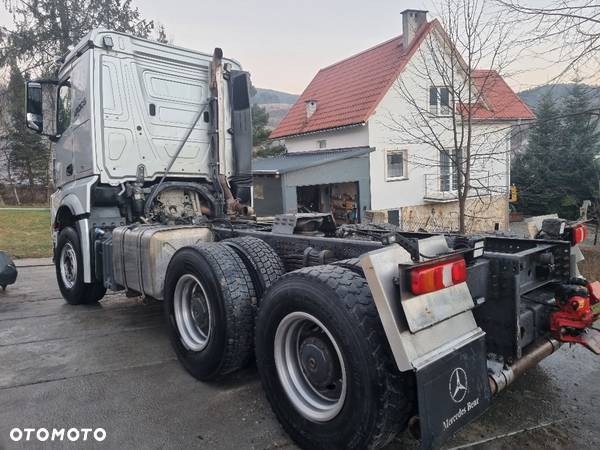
111, 366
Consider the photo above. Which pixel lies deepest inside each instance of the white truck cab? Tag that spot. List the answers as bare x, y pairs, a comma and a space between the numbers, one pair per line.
128, 114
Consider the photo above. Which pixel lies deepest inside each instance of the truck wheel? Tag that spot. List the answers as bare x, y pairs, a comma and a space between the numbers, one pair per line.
208, 306
352, 264
68, 262
262, 261
325, 363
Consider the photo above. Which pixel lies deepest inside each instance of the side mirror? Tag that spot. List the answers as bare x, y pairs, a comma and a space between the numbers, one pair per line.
41, 106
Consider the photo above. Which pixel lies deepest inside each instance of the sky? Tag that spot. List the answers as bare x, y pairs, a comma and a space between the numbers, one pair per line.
283, 43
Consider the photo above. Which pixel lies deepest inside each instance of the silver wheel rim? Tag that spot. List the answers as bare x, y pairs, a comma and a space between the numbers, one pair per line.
193, 314
68, 265
310, 366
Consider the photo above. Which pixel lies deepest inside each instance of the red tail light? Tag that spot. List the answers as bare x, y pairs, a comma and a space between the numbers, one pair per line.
436, 277
578, 234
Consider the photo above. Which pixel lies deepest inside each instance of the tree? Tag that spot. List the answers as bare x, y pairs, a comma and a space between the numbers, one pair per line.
579, 146
445, 68
26, 155
556, 173
260, 134
30, 153
6, 162
44, 29
260, 120
567, 32
534, 171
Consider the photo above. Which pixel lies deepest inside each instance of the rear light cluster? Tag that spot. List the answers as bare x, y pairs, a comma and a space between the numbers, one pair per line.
578, 234
433, 278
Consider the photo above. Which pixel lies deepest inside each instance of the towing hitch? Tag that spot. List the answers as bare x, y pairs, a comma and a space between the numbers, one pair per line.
574, 321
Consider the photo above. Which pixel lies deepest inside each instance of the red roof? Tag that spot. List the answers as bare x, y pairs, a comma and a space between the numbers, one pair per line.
499, 101
347, 92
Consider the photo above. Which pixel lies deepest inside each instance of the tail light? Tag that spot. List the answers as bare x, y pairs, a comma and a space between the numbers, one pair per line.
578, 234
433, 278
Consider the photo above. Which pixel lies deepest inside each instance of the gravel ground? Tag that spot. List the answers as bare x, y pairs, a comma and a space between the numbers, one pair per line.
111, 366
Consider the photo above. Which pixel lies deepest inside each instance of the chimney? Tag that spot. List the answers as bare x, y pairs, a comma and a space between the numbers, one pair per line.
412, 21
311, 108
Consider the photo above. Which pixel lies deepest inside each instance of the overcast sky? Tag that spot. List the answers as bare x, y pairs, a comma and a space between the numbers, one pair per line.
283, 43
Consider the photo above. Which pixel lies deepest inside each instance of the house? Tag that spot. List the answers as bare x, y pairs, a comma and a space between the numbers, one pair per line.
344, 150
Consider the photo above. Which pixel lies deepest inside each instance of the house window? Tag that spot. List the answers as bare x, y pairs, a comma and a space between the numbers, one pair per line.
396, 164
439, 101
448, 172
322, 143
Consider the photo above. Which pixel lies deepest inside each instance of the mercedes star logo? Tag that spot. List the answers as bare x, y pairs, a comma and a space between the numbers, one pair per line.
458, 385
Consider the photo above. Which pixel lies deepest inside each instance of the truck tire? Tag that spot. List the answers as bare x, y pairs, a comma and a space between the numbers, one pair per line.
352, 264
263, 263
208, 302
68, 261
325, 363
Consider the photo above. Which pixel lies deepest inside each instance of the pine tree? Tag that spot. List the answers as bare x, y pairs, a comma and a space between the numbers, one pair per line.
556, 173
580, 143
260, 119
533, 171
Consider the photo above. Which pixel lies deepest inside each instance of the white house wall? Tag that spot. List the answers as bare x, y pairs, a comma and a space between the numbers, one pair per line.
357, 136
384, 134
491, 150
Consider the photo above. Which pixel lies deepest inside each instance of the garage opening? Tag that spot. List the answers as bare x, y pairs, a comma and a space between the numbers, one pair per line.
341, 199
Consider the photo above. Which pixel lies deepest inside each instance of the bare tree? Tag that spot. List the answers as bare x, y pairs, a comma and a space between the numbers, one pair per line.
442, 87
6, 159
565, 31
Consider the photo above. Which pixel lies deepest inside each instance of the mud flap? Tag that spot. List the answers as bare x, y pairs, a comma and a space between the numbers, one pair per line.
452, 391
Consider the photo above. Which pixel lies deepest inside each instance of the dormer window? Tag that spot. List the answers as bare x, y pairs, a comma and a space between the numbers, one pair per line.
439, 101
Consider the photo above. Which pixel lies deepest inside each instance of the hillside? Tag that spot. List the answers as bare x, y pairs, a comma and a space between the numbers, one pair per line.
276, 103
533, 96
269, 96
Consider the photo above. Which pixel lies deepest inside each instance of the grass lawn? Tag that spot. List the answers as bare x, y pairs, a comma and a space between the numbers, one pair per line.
26, 233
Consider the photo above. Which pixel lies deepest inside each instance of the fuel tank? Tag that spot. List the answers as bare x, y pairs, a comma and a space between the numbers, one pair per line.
141, 254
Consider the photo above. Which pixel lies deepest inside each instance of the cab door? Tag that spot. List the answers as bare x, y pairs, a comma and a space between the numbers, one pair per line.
73, 149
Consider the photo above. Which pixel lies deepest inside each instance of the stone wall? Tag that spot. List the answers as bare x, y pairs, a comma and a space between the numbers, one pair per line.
481, 215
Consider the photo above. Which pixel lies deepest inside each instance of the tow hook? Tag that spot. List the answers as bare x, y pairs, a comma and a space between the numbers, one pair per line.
574, 321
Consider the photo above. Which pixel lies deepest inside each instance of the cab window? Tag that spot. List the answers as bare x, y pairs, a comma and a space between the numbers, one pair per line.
64, 106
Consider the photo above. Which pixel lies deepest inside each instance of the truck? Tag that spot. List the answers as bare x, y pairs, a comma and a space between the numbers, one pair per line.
359, 331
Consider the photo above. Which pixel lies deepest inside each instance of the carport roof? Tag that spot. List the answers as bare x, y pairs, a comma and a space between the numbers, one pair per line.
290, 162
